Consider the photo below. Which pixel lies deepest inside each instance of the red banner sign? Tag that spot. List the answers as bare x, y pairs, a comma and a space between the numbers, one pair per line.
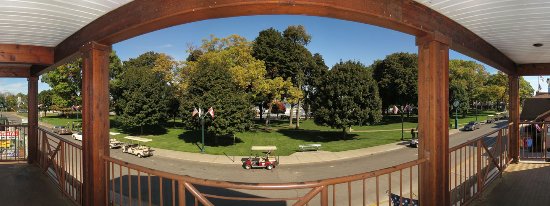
9, 134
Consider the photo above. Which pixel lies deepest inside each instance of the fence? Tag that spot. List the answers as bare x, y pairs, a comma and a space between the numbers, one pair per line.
475, 163
13, 143
130, 184
533, 140
61, 160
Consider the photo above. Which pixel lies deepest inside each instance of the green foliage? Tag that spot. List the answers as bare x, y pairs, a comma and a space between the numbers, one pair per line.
66, 83
142, 95
45, 99
397, 77
226, 77
347, 96
211, 85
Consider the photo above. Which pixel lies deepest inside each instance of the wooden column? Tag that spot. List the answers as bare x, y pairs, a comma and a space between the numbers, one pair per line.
433, 119
513, 84
32, 133
95, 119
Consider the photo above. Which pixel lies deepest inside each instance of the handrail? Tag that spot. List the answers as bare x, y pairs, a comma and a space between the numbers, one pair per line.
60, 138
469, 142
266, 186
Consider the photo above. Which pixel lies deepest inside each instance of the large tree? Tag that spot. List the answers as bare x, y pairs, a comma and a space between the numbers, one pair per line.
225, 77
142, 95
66, 81
397, 77
466, 82
45, 100
286, 56
347, 96
499, 93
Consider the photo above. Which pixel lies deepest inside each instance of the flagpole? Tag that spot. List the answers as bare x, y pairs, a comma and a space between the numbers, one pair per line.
202, 125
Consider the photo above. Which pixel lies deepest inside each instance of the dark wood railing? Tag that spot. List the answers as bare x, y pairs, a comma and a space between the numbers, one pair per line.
130, 184
13, 143
475, 164
61, 160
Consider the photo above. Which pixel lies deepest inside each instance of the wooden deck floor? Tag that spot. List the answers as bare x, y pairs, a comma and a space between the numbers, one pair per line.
522, 184
23, 184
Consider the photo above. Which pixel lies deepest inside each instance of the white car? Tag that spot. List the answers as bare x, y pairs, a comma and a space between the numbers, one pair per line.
77, 136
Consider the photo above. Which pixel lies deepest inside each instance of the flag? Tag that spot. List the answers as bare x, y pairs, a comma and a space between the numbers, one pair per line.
211, 111
395, 109
538, 127
195, 112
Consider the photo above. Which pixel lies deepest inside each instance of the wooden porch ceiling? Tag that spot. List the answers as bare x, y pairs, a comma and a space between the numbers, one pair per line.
143, 16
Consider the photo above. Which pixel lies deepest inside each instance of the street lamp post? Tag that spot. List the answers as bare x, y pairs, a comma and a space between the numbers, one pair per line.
455, 104
201, 115
475, 104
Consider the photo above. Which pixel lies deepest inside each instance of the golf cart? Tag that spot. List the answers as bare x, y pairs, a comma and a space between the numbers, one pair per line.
114, 143
262, 162
414, 138
137, 149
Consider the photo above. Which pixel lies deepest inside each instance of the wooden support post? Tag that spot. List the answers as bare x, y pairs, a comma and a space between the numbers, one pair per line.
95, 119
433, 119
32, 138
513, 84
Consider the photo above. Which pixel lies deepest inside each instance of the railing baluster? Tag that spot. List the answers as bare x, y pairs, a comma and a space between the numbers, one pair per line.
161, 194
349, 193
181, 194
139, 187
377, 192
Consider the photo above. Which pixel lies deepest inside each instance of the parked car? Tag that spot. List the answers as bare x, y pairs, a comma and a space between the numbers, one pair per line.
471, 126
61, 130
77, 136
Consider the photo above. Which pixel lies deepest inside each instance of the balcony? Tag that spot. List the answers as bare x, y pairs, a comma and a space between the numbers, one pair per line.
480, 174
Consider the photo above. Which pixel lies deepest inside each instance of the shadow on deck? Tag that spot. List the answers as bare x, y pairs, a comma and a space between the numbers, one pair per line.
23, 184
522, 184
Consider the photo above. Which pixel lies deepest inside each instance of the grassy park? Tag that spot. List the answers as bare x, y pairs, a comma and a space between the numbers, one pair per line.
280, 134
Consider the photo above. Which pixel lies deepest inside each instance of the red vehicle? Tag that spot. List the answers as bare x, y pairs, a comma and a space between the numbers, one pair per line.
266, 161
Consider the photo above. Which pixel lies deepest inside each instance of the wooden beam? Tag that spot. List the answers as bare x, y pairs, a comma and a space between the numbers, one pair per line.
143, 16
433, 120
15, 70
24, 54
513, 84
533, 69
33, 120
95, 119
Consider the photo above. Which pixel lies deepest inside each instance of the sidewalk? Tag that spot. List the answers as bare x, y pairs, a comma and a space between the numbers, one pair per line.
296, 158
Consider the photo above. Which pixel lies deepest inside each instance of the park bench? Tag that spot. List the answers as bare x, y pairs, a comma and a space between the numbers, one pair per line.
309, 147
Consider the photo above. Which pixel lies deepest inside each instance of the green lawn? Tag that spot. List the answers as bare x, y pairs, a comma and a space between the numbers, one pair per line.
280, 134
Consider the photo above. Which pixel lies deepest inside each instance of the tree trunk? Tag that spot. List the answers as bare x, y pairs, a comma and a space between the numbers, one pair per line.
261, 111
344, 132
268, 115
298, 115
290, 115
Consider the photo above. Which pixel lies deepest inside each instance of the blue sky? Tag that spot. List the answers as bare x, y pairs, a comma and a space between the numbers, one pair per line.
334, 39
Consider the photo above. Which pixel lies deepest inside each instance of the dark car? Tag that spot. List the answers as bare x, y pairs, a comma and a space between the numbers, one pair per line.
471, 126
61, 130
